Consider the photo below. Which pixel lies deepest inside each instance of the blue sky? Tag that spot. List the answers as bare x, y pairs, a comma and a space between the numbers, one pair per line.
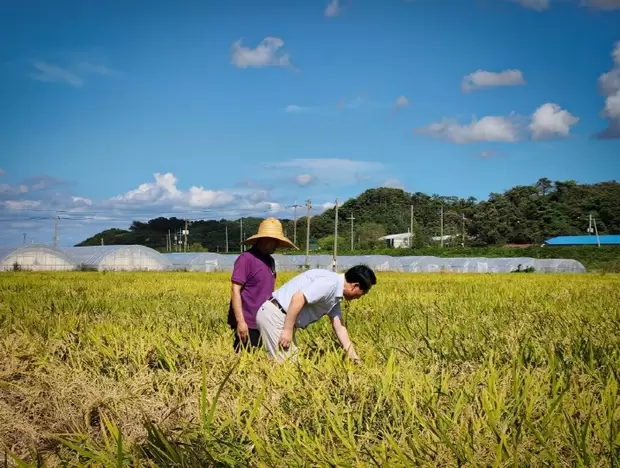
115, 110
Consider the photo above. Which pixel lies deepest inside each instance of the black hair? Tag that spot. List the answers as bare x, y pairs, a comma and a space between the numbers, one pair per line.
361, 274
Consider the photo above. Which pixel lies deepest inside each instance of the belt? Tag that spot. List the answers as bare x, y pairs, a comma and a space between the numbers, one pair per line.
275, 302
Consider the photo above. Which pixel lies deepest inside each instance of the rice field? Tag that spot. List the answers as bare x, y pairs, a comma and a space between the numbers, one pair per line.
137, 369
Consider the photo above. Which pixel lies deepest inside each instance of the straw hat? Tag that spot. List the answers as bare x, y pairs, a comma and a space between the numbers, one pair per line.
271, 227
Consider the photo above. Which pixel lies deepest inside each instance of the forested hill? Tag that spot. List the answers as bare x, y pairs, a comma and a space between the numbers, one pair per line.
521, 215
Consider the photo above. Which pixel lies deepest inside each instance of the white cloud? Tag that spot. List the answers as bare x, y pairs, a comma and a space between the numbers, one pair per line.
165, 192
481, 79
400, 103
72, 75
304, 179
2, 172
329, 164
393, 183
293, 108
609, 84
612, 105
51, 73
21, 205
82, 200
328, 206
329, 171
550, 120
489, 128
538, 5
333, 9
81, 217
264, 55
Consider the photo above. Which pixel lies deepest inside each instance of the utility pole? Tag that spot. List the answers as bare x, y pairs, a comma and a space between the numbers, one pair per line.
411, 229
463, 227
590, 230
168, 241
241, 235
309, 205
335, 261
441, 225
295, 222
186, 233
24, 238
598, 240
56, 230
101, 240
227, 237
351, 218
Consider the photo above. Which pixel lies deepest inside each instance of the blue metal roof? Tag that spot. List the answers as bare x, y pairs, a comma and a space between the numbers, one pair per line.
584, 240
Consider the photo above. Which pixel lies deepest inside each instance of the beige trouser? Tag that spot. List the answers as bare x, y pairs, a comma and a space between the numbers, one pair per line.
270, 322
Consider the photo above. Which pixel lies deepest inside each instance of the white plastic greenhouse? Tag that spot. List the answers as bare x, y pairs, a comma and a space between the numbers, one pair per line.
137, 257
558, 265
190, 261
507, 265
34, 257
118, 258
421, 264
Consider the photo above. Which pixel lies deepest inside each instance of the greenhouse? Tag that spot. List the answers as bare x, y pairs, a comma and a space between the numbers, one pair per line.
376, 262
558, 265
410, 264
508, 265
193, 261
421, 264
34, 257
118, 258
465, 264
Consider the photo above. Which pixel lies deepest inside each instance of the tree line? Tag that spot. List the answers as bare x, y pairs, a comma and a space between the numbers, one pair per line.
526, 214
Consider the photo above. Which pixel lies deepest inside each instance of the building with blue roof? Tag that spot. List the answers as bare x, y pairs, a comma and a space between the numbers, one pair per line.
584, 240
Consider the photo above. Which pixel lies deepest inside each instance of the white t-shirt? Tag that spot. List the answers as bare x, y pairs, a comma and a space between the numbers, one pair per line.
323, 291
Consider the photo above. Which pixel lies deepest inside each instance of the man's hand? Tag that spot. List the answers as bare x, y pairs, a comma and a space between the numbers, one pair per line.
343, 337
285, 339
242, 330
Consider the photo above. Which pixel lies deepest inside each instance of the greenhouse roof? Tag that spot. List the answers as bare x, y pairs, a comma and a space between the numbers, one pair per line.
96, 254
6, 251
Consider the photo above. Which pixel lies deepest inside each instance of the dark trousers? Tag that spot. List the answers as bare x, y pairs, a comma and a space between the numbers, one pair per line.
252, 343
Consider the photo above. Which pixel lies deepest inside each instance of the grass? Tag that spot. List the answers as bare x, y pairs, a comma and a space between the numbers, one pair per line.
137, 369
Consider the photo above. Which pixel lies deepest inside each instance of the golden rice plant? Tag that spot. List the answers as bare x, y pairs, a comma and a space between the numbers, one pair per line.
137, 369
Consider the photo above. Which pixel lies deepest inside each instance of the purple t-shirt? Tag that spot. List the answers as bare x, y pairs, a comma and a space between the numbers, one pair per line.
257, 275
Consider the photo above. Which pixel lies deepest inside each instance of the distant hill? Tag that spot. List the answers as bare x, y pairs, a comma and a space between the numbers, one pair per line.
521, 215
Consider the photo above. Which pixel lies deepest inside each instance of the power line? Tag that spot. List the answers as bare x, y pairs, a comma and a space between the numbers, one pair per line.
351, 218
295, 206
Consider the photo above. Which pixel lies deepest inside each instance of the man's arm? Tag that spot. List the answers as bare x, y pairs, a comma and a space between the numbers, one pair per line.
239, 277
235, 295
297, 303
343, 337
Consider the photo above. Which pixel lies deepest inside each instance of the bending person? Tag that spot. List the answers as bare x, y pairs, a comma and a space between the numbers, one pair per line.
305, 299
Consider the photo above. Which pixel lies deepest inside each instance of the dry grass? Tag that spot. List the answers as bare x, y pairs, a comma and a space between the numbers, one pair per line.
137, 369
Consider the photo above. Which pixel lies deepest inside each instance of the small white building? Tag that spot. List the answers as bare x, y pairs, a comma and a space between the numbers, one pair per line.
396, 241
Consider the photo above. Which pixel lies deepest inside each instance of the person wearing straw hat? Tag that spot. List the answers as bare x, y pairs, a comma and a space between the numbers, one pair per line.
253, 282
